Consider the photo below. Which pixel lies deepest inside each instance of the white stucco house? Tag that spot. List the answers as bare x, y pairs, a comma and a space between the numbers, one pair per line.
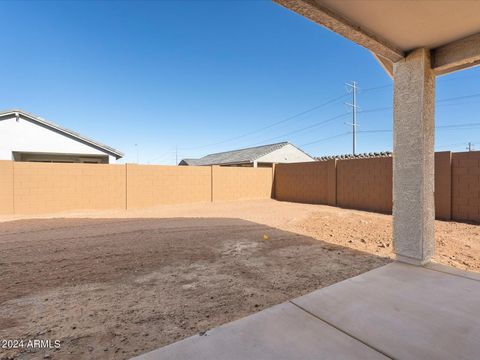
26, 137
258, 156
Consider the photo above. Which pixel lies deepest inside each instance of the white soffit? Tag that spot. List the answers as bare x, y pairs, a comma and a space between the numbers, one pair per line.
411, 24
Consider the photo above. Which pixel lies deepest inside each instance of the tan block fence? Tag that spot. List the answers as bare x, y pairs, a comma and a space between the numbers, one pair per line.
365, 184
41, 188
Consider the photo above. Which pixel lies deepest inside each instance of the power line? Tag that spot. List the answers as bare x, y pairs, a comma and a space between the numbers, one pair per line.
358, 131
391, 84
375, 88
375, 109
443, 79
375, 131
317, 124
447, 127
469, 125
438, 101
349, 132
451, 127
161, 156
302, 129
328, 102
379, 131
448, 145
323, 122
459, 97
461, 103
327, 138
354, 88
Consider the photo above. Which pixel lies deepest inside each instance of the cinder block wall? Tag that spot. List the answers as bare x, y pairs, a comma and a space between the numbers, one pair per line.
241, 183
466, 186
150, 185
6, 187
365, 184
443, 185
48, 188
42, 188
310, 182
36, 188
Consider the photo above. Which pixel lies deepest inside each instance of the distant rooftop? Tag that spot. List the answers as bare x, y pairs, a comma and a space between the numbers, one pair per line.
36, 119
356, 156
246, 155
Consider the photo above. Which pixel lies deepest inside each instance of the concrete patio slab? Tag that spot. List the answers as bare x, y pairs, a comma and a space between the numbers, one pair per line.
281, 332
397, 311
404, 311
453, 271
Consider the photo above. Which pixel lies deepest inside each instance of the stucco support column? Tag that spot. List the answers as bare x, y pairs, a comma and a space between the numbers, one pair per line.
413, 158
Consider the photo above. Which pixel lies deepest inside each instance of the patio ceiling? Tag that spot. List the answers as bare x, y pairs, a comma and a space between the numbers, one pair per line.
391, 29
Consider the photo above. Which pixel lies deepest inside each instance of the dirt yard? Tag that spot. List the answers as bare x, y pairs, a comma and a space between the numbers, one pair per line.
111, 285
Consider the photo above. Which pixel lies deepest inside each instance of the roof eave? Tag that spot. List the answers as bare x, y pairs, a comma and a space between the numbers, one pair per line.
110, 151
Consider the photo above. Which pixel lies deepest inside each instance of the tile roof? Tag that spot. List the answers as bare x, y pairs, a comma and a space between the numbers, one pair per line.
356, 156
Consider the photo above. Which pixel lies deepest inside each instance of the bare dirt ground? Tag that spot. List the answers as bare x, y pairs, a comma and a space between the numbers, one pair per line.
111, 285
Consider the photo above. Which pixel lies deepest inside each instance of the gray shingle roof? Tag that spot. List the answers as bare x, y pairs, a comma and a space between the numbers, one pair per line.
118, 154
191, 162
247, 155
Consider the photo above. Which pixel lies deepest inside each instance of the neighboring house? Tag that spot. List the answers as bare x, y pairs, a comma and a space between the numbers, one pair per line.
259, 156
25, 137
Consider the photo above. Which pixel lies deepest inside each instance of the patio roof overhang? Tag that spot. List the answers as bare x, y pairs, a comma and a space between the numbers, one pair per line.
392, 29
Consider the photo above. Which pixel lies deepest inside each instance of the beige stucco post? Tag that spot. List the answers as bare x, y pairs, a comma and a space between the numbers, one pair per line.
413, 159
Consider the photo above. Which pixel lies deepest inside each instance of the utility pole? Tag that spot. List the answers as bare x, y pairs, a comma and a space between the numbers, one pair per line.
354, 88
470, 147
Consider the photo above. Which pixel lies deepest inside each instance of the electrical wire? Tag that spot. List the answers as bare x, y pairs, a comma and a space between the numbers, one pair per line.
363, 91
325, 139
163, 155
456, 144
448, 127
379, 109
459, 97
328, 102
324, 122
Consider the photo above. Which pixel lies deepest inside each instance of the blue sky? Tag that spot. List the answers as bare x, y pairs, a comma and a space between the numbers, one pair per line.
206, 76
